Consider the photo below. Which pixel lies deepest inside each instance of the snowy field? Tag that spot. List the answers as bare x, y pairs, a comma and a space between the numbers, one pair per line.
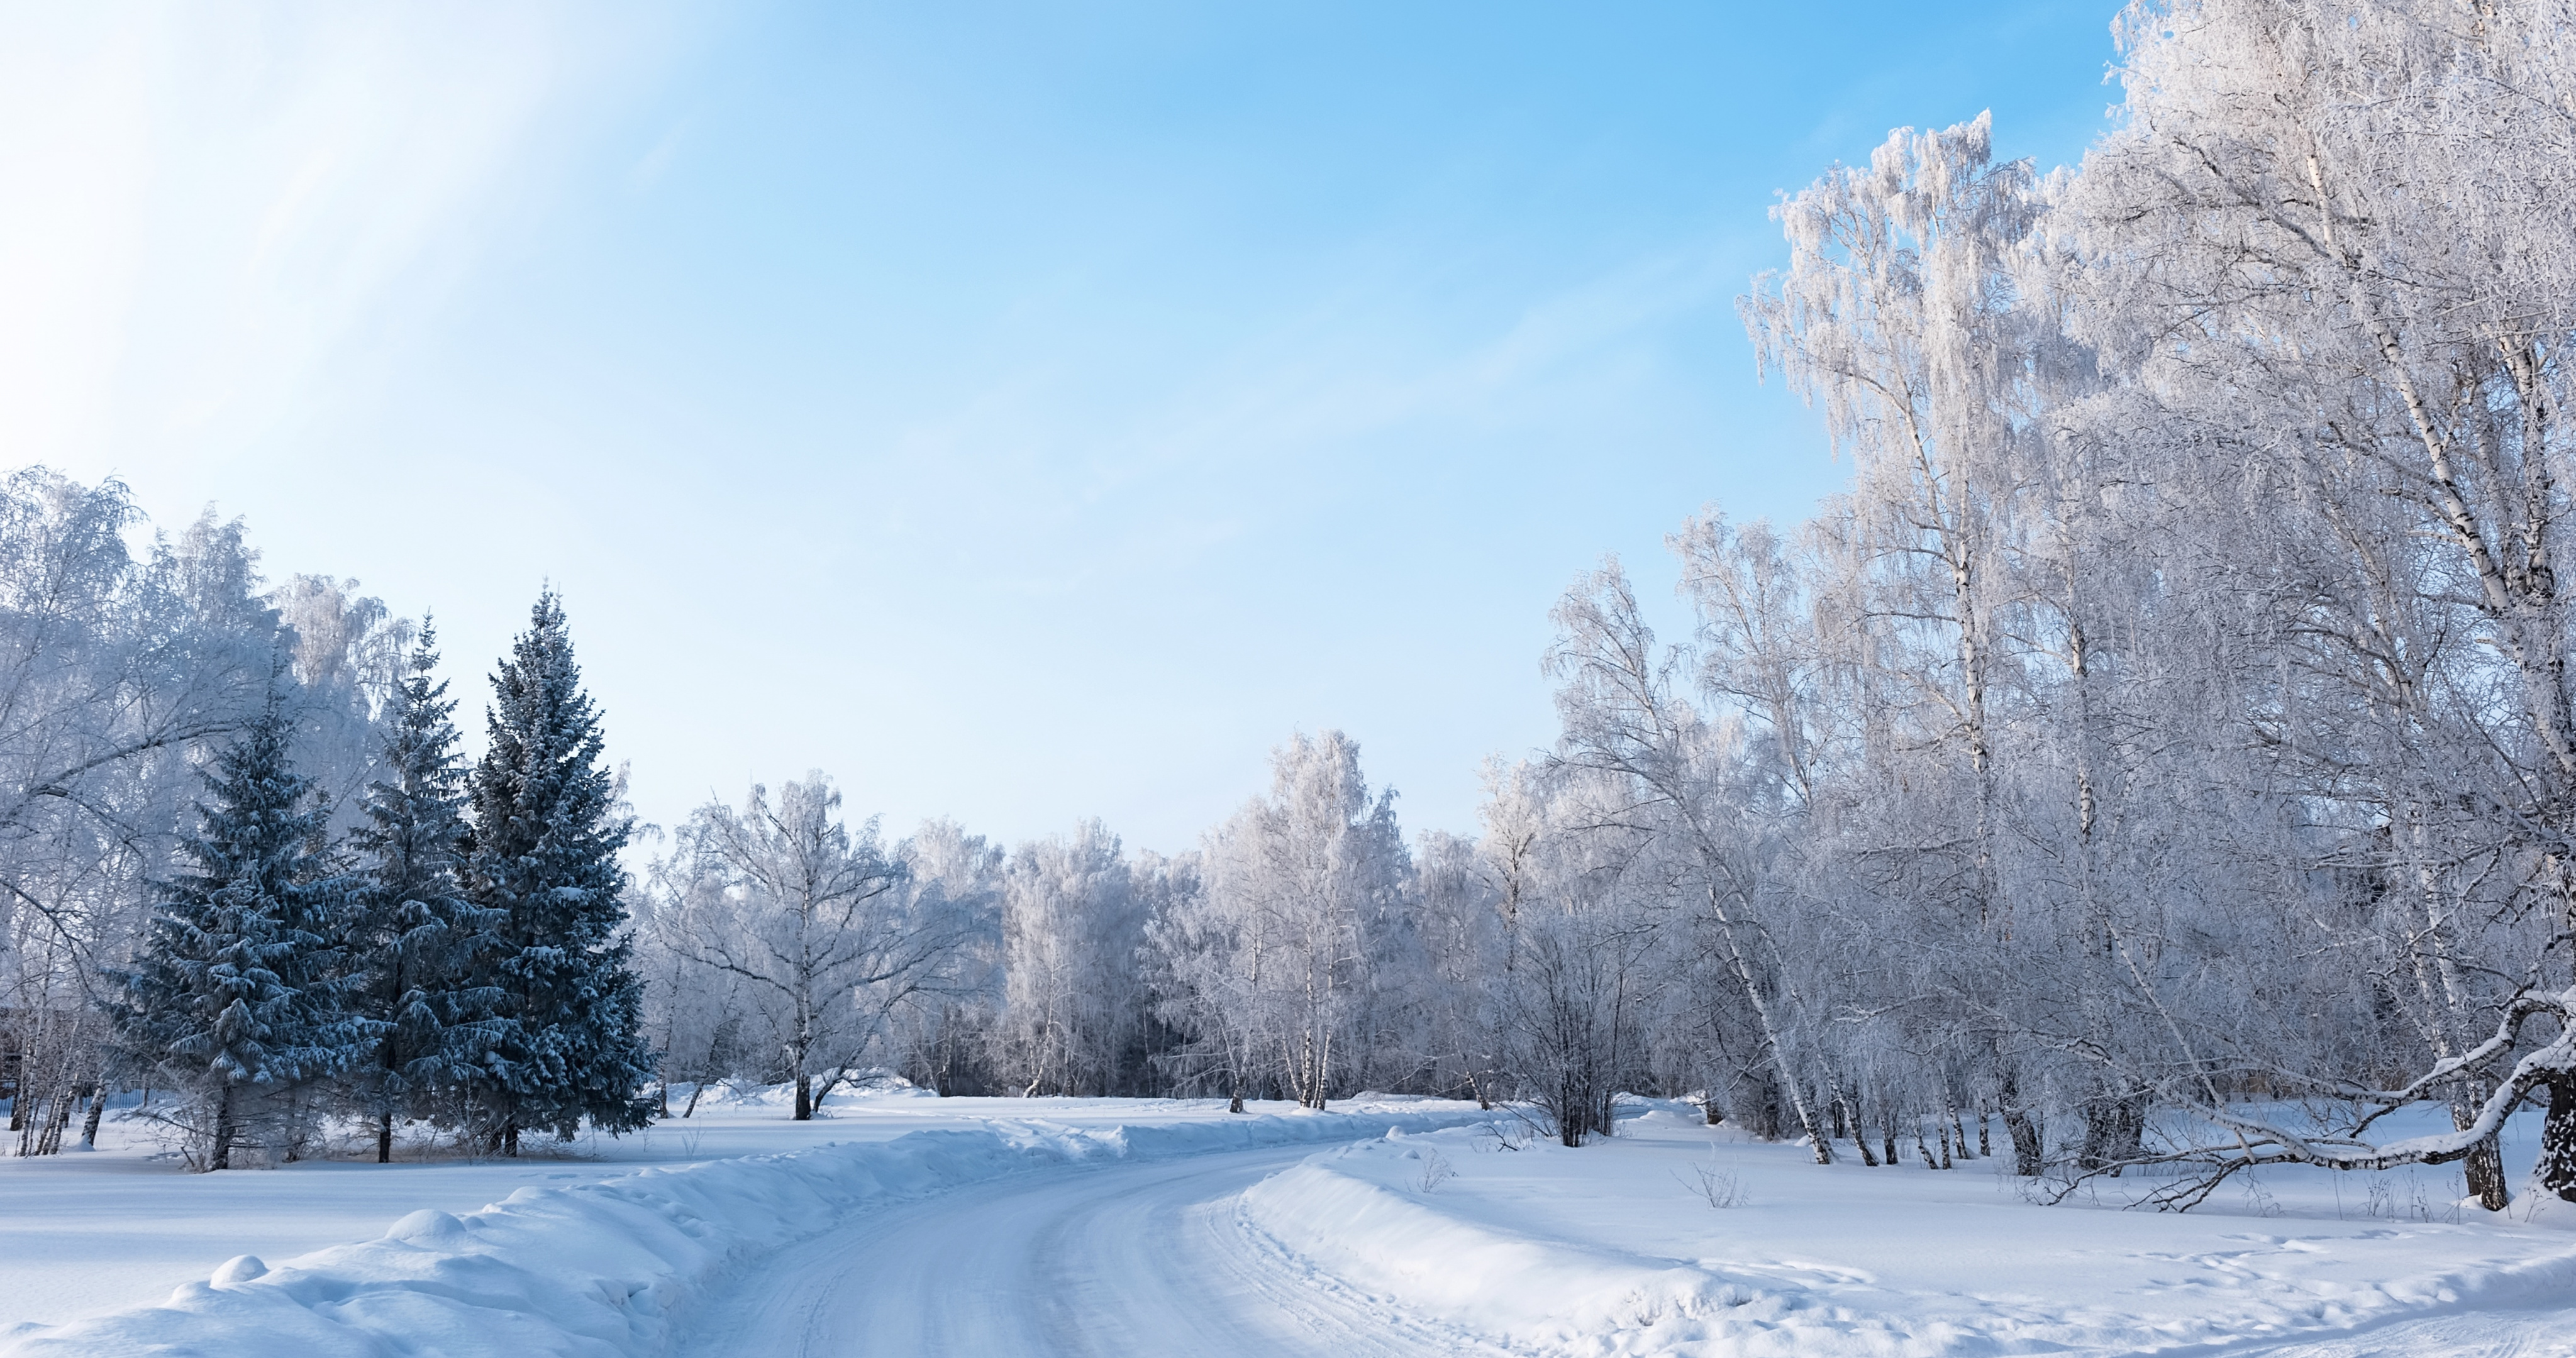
1145, 1226
126, 1224
1616, 1248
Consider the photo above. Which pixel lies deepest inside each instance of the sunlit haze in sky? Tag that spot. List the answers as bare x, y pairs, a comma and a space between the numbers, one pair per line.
1022, 413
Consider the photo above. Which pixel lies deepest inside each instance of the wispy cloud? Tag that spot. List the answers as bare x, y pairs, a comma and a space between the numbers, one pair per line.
206, 212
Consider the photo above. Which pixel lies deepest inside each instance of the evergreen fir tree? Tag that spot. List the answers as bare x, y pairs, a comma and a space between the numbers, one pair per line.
412, 935
544, 857
235, 995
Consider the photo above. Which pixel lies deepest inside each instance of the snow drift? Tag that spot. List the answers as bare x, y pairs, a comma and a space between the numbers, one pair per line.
1497, 1259
600, 1270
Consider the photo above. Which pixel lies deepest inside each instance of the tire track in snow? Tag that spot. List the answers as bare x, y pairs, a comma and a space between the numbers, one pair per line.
1122, 1259
2467, 1334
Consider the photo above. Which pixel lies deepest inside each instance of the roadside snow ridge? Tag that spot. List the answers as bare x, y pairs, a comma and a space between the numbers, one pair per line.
601, 1270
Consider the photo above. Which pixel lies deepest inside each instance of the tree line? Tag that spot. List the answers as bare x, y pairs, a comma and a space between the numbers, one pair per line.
2159, 759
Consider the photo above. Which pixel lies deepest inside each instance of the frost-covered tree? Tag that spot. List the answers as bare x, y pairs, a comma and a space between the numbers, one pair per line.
234, 999
113, 668
1075, 1007
120, 670
1272, 962
2173, 708
692, 1012
816, 923
2327, 245
1662, 768
413, 939
942, 1032
347, 655
1466, 904
546, 830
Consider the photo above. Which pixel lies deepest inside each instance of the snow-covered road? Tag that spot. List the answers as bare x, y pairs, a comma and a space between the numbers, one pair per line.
2513, 1334
1156, 1258
920, 1226
1126, 1259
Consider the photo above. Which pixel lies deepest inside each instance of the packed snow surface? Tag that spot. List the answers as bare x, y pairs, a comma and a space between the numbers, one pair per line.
923, 1226
1119, 1261
580, 1257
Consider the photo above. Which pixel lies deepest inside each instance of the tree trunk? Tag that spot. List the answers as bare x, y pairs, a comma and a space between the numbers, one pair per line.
804, 1097
97, 1109
221, 1157
694, 1091
2556, 1169
27, 1114
2114, 1132
52, 1119
2485, 1167
2030, 1141
1771, 1043
1758, 1110
385, 1138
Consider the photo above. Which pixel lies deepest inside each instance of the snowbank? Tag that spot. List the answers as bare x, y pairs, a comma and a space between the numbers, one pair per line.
600, 1269
1613, 1249
1340, 1214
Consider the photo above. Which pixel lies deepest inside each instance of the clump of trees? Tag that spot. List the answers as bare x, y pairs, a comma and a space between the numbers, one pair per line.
2173, 714
245, 870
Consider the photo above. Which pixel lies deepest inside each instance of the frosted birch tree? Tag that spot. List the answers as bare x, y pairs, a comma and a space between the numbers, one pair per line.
1074, 999
2332, 239
811, 918
1624, 723
1271, 961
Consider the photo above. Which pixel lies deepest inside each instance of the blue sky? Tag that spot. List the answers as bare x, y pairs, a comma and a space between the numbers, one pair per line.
1024, 413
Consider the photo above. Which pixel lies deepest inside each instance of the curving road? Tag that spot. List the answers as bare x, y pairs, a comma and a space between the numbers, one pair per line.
1133, 1260
1151, 1259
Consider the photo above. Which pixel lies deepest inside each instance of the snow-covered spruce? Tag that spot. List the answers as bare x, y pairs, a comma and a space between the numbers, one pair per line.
566, 1045
234, 1001
414, 942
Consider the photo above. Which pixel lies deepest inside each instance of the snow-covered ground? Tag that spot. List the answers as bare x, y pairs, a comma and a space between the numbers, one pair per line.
1118, 1261
127, 1223
125, 1227
1617, 1248
1145, 1227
